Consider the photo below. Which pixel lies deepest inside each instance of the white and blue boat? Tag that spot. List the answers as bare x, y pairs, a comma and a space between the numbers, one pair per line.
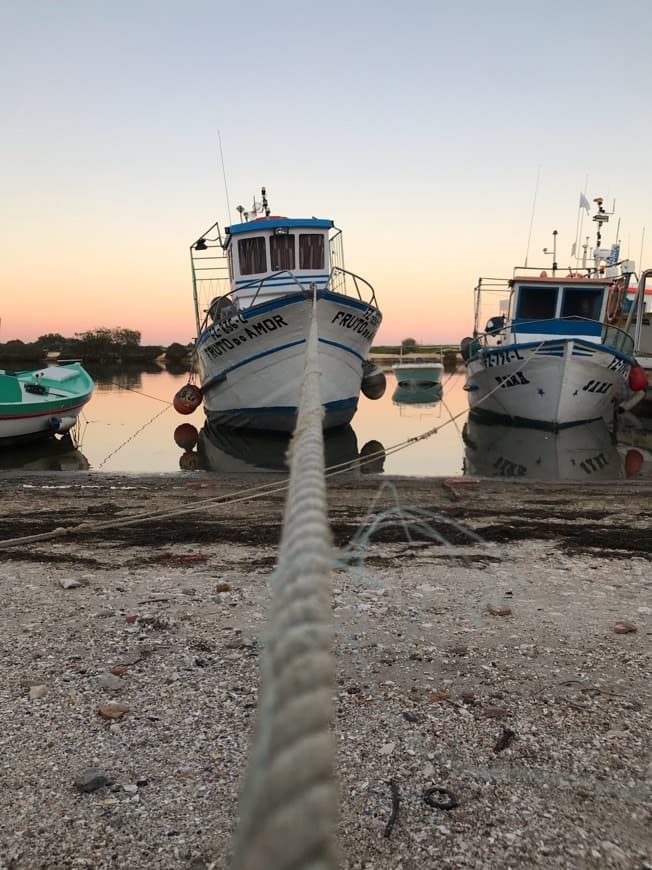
554, 357
254, 285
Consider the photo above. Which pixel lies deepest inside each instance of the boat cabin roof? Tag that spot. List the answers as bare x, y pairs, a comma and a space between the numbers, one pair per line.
276, 221
560, 279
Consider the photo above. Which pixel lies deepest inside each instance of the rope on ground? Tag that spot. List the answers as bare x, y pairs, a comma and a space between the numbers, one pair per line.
288, 805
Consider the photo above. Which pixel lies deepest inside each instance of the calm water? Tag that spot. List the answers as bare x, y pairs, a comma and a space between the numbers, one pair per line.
128, 426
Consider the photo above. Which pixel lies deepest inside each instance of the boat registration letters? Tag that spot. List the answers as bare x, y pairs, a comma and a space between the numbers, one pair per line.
249, 333
501, 357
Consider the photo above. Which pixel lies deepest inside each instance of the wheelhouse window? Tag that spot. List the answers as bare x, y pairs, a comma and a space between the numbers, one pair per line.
281, 252
252, 256
311, 251
536, 303
582, 302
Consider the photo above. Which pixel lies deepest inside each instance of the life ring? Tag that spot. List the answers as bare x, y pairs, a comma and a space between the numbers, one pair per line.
615, 300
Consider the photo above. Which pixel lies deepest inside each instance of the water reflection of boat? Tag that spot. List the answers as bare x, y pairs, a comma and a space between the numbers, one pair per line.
52, 454
414, 393
233, 451
583, 452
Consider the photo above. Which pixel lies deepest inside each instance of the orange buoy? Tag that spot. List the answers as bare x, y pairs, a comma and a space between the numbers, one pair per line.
637, 378
187, 399
633, 462
186, 436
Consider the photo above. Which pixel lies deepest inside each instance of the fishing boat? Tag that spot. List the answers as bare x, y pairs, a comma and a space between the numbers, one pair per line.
554, 356
41, 403
255, 286
413, 369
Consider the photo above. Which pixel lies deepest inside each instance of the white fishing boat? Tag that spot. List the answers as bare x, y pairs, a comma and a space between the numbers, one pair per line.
255, 284
555, 357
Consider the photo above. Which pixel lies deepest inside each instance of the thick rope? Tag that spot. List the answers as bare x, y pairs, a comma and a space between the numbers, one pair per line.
288, 806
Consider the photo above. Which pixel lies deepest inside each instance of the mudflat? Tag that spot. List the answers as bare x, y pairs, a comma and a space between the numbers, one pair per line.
492, 649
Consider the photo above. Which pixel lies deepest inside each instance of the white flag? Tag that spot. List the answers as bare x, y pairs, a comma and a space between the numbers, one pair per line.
584, 203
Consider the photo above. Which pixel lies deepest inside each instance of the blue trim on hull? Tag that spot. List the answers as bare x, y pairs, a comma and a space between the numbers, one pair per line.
281, 419
493, 417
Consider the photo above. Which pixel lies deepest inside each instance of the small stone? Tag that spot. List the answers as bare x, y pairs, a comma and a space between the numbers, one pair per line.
223, 587
439, 696
387, 748
112, 710
495, 712
624, 628
69, 583
458, 650
37, 692
468, 696
109, 681
131, 618
91, 779
130, 788
118, 671
495, 610
28, 682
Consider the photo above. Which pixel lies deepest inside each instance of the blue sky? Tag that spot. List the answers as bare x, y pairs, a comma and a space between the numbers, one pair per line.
418, 127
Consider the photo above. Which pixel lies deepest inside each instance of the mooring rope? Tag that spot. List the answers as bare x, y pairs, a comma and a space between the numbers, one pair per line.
288, 806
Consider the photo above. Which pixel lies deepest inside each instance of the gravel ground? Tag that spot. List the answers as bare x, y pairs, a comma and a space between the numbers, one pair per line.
511, 675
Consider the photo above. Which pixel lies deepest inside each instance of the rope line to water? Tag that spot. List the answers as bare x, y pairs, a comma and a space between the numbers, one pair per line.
288, 806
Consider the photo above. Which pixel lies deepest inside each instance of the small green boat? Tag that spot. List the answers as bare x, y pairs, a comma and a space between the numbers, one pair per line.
41, 403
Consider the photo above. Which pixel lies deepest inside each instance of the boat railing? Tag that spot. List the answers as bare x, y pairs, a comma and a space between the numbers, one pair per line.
337, 284
618, 339
611, 336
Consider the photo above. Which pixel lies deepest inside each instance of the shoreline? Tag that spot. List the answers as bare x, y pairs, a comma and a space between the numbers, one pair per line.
168, 620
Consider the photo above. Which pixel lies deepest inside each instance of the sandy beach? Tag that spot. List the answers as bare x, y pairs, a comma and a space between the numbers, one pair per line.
498, 658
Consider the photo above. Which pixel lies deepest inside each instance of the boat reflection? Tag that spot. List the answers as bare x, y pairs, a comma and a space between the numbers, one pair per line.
51, 454
584, 452
417, 394
243, 451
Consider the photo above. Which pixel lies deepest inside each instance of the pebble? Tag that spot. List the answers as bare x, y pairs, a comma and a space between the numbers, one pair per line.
495, 610
624, 628
69, 583
37, 692
112, 710
109, 681
91, 779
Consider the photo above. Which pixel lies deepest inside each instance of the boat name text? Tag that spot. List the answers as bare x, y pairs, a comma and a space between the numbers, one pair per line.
514, 380
365, 324
501, 358
249, 333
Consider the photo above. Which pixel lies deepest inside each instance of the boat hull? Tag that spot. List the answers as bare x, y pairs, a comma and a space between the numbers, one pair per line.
252, 365
550, 384
418, 373
42, 403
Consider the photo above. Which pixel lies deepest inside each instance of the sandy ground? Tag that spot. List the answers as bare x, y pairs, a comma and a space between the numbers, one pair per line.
510, 670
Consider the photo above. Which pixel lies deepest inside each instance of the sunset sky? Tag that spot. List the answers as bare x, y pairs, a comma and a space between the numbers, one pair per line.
419, 127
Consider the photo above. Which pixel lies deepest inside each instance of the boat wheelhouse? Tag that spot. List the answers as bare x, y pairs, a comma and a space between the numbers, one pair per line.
254, 289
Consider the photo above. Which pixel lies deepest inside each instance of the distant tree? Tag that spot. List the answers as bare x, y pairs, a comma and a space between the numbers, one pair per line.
408, 344
52, 341
176, 351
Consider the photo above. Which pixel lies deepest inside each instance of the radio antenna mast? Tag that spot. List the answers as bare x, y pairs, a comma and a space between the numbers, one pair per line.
534, 202
226, 189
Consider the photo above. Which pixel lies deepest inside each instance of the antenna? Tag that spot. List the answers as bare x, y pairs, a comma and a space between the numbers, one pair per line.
534, 202
553, 252
226, 189
263, 193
